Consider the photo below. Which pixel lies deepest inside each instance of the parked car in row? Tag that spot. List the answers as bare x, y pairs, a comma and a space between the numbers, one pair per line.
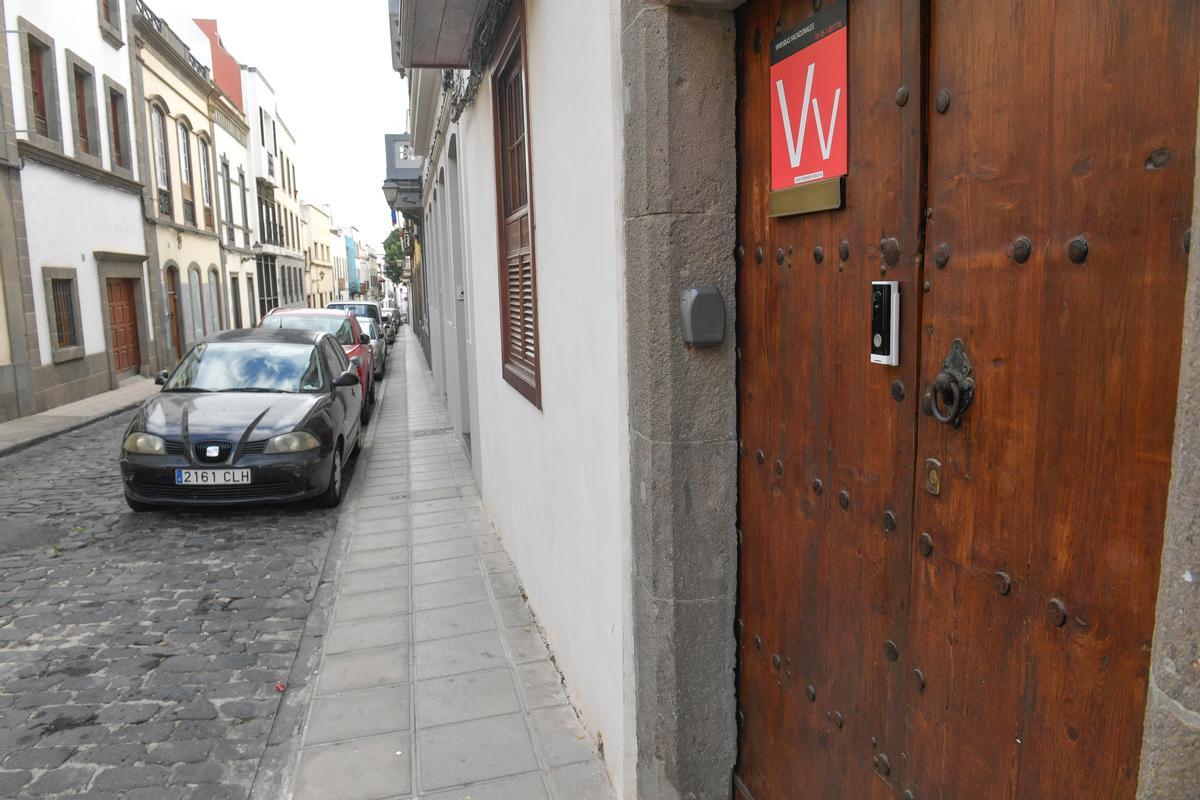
379, 348
360, 308
349, 332
248, 416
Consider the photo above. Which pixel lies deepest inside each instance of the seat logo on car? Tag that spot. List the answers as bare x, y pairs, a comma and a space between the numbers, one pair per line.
212, 451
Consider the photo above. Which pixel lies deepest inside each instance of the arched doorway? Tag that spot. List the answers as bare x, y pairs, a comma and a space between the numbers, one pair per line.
173, 316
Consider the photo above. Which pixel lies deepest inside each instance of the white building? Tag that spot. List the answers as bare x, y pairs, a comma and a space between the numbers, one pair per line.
280, 261
537, 396
90, 294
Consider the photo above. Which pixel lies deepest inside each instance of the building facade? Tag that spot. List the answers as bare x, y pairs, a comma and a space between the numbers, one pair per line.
280, 257
235, 197
768, 564
318, 255
77, 294
181, 184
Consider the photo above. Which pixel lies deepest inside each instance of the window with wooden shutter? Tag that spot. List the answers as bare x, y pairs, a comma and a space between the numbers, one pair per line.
518, 273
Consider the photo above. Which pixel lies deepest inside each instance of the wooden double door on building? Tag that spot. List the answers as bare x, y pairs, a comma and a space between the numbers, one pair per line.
963, 609
123, 325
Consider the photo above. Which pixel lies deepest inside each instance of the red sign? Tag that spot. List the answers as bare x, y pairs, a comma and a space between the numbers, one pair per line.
808, 100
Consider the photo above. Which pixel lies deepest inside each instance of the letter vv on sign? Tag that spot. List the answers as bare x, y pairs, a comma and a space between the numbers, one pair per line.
808, 100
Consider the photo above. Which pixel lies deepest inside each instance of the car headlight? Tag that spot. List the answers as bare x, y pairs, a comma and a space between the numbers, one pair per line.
146, 444
293, 443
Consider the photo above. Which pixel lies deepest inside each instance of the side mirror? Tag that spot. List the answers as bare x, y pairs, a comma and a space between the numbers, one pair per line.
364, 338
347, 378
161, 378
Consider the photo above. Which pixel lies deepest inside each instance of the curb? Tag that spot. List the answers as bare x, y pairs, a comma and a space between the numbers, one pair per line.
19, 446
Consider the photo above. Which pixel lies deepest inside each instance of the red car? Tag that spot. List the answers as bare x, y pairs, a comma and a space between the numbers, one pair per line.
348, 332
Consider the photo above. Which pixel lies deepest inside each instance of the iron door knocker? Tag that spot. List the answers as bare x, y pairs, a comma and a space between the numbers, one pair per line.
948, 397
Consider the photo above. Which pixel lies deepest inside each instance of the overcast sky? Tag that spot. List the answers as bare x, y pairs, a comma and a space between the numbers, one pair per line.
329, 62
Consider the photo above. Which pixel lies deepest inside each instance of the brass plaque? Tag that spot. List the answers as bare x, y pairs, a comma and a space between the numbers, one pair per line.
828, 195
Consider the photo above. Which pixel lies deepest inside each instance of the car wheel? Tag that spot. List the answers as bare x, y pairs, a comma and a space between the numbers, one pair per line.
333, 492
137, 505
357, 444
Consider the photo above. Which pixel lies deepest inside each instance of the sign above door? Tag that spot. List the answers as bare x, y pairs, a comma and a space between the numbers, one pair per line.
808, 114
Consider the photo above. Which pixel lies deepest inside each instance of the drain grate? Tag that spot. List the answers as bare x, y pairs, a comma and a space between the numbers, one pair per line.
430, 432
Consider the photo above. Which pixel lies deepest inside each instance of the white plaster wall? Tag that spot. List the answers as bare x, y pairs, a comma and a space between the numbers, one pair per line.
555, 480
79, 32
67, 218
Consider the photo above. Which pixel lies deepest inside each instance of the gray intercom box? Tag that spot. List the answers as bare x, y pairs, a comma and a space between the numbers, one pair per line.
702, 313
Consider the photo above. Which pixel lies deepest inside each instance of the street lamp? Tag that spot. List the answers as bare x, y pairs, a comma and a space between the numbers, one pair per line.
391, 192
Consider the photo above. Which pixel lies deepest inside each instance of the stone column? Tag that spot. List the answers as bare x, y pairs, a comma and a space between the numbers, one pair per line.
680, 211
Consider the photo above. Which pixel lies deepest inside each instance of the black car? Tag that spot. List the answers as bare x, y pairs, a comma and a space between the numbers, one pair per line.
248, 416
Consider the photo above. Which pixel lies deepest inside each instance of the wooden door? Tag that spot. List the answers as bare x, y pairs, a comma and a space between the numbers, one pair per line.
123, 325
176, 320
990, 640
825, 482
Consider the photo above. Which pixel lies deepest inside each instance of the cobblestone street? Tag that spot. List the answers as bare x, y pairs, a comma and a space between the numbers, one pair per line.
139, 653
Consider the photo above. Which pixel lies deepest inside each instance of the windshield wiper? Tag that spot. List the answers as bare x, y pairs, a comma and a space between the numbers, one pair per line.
261, 389
188, 389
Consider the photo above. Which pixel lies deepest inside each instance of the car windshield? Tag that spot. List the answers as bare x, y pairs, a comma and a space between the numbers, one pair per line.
248, 367
359, 309
338, 326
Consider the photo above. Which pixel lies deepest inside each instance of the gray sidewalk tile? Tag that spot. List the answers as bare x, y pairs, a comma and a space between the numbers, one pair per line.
367, 769
526, 644
364, 669
382, 524
474, 751
505, 584
468, 653
562, 737
385, 602
440, 623
458, 698
438, 518
374, 559
446, 570
496, 562
362, 542
354, 715
513, 612
372, 580
439, 551
541, 685
583, 781
362, 634
525, 787
443, 532
488, 543
449, 593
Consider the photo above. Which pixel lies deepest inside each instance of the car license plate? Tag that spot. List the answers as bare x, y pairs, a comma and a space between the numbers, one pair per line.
211, 477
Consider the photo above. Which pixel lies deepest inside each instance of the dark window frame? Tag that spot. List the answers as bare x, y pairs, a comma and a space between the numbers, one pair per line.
85, 116
161, 144
521, 370
187, 172
64, 346
108, 13
120, 151
204, 153
38, 54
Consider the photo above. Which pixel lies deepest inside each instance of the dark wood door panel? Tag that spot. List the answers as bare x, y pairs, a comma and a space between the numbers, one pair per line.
123, 330
826, 449
1065, 124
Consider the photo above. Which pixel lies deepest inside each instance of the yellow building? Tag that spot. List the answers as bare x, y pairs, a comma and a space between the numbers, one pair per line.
178, 90
318, 256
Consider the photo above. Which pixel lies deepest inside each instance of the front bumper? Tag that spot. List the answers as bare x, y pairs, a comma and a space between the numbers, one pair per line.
273, 479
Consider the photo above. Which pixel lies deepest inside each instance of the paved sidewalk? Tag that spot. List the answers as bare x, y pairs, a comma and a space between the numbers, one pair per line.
434, 682
26, 431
